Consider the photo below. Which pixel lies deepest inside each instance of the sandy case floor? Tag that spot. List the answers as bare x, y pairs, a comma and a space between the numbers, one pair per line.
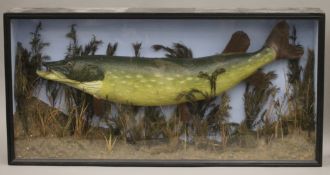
293, 147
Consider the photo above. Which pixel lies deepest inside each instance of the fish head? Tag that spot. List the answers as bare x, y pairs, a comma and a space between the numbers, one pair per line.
76, 69
83, 74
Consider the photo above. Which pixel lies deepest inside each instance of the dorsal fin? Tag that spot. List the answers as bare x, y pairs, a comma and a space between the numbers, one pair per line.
239, 43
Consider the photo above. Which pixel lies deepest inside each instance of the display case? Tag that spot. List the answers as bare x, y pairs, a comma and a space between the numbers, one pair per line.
155, 87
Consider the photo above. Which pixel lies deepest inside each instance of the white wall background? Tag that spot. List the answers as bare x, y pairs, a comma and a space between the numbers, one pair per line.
5, 5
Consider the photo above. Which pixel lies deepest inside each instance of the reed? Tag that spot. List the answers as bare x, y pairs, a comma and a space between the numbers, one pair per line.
46, 120
79, 120
137, 49
302, 91
258, 90
76, 99
111, 49
110, 142
26, 80
178, 50
185, 121
123, 121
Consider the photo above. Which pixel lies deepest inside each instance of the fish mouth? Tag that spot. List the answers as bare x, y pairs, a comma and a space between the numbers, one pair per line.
55, 71
55, 76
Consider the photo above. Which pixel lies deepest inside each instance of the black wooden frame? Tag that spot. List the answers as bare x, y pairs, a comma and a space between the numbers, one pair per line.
320, 17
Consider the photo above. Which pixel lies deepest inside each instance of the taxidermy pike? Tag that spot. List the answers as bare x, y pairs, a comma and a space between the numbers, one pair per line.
159, 81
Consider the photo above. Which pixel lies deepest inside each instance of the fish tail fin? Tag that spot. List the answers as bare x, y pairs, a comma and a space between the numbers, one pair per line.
279, 41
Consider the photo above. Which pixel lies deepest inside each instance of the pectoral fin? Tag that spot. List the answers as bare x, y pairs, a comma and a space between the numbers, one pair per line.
91, 87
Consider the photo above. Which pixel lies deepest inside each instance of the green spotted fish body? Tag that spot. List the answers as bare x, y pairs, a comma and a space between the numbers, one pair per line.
150, 82
159, 81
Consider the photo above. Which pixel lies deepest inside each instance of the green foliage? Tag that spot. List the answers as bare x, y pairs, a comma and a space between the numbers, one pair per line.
91, 47
137, 49
74, 49
37, 58
154, 123
302, 92
218, 118
111, 49
177, 51
37, 45
219, 115
197, 108
124, 122
308, 117
212, 78
190, 96
26, 79
76, 99
257, 92
22, 84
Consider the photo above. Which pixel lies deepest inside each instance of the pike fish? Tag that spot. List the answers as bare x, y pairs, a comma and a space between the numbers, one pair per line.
159, 81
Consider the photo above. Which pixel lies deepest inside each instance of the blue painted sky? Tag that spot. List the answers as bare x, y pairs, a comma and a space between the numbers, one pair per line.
204, 37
